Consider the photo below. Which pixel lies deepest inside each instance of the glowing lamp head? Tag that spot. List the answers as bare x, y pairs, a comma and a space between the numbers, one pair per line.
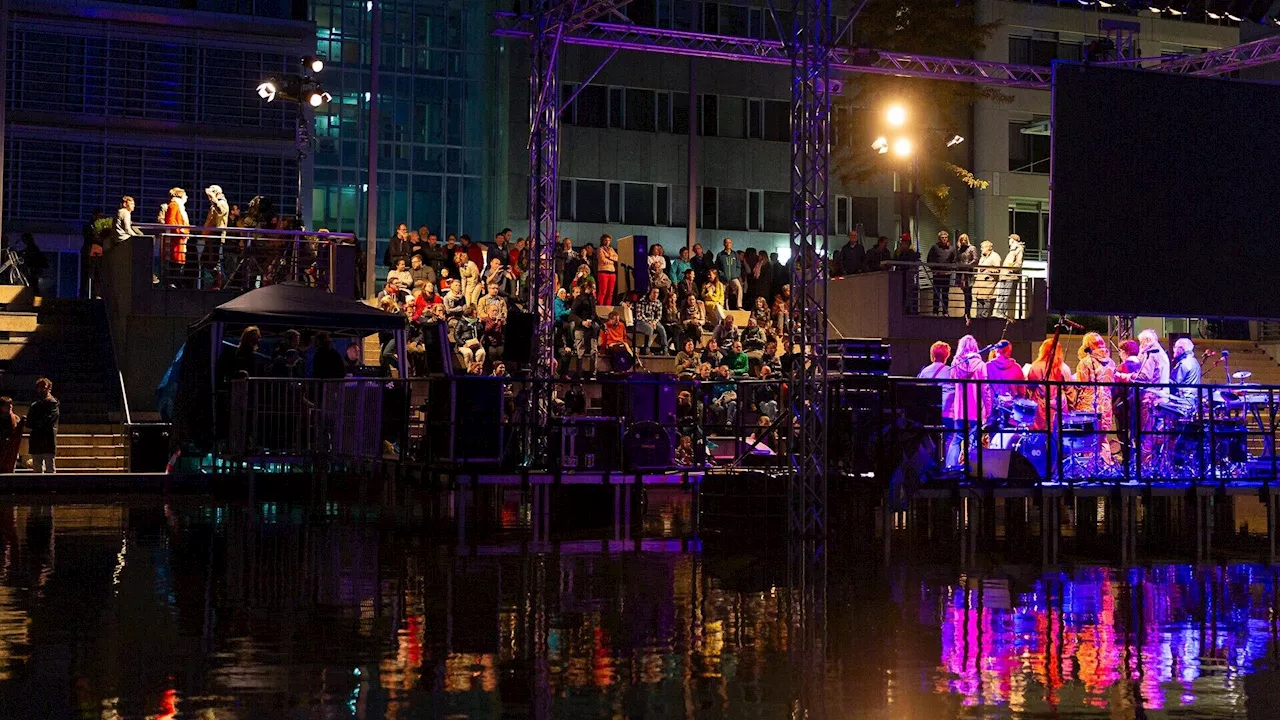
902, 147
881, 145
316, 64
267, 91
896, 115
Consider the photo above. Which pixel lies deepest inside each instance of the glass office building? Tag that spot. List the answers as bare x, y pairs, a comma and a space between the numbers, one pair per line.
435, 115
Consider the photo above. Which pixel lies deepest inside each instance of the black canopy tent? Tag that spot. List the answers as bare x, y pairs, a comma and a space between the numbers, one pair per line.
277, 307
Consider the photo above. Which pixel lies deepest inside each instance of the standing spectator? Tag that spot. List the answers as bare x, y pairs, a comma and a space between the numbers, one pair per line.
730, 269
418, 243
469, 274
123, 227
91, 254
702, 264
327, 364
607, 275
397, 247
501, 249
938, 369
759, 279
941, 254
677, 267
34, 260
984, 287
852, 257
518, 265
781, 275
967, 258
449, 266
567, 261
474, 252
588, 254
649, 322
42, 420
433, 255
877, 254
586, 331
905, 251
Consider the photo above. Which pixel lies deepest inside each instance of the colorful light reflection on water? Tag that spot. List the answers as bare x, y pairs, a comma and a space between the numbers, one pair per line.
1153, 638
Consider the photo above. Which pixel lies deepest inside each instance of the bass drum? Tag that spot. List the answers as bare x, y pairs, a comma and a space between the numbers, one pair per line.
1030, 447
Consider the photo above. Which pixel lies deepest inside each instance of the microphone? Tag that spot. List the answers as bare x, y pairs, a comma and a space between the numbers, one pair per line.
1226, 354
1070, 323
1206, 355
1000, 345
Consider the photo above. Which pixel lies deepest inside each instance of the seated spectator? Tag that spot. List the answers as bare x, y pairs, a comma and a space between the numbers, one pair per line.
722, 395
692, 318
782, 310
688, 285
649, 322
454, 305
353, 359
736, 360
658, 268
561, 307
726, 331
671, 320
401, 273
761, 313
395, 290
764, 396
753, 337
616, 346
713, 297
626, 309
586, 332
687, 359
491, 331
713, 355
769, 358
420, 272
467, 337
388, 303
492, 306
684, 448
425, 297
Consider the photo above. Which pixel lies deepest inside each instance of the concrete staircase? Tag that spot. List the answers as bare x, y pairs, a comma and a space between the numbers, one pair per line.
66, 340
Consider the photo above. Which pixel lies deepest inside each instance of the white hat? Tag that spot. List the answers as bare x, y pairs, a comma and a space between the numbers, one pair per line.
214, 190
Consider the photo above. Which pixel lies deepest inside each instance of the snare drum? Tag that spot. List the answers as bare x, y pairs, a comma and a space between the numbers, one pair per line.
1080, 432
1024, 412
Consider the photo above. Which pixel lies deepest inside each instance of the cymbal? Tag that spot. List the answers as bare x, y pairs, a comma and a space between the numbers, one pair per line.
1241, 375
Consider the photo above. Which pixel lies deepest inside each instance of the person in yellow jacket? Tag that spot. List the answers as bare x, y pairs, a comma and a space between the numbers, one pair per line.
713, 297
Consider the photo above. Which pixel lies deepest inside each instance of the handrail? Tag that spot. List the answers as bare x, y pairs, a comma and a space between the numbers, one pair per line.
204, 229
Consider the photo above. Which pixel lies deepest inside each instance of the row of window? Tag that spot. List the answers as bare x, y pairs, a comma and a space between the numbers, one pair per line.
664, 111
1029, 151
1042, 47
719, 208
719, 18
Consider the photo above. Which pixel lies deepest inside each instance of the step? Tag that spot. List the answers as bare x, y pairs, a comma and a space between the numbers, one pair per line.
17, 322
79, 451
108, 464
17, 294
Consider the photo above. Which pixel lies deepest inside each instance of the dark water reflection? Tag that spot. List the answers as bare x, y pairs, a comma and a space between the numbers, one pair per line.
272, 611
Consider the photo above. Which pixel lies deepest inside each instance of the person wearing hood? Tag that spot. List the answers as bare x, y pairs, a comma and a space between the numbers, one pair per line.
971, 402
1004, 372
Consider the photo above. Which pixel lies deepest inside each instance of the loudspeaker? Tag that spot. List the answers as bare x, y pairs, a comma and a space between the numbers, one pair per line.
148, 448
640, 260
439, 351
648, 447
518, 337
476, 422
588, 443
641, 399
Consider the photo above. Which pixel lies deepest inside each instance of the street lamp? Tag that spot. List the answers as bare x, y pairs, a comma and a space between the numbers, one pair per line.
902, 147
896, 115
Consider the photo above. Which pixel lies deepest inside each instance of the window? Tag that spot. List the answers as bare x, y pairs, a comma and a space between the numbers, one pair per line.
664, 204
1030, 220
680, 113
591, 107
1043, 47
664, 112
588, 203
755, 119
777, 212
615, 203
865, 212
568, 114
732, 117
733, 209
615, 107
710, 115
638, 207
710, 17
777, 120
1028, 152
755, 209
640, 110
707, 202
844, 211
758, 21
565, 201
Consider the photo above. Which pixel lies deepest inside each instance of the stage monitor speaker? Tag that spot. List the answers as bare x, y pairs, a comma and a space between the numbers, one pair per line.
148, 448
439, 351
518, 341
640, 258
641, 399
647, 446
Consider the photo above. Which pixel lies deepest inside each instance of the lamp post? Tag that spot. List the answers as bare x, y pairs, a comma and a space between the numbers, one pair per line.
304, 92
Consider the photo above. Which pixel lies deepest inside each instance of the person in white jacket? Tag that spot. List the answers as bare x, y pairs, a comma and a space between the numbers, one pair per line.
984, 286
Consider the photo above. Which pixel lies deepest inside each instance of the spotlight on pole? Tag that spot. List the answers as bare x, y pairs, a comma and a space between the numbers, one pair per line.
1105, 4
313, 63
896, 115
316, 98
1234, 18
955, 140
881, 145
1213, 15
267, 91
1175, 12
902, 147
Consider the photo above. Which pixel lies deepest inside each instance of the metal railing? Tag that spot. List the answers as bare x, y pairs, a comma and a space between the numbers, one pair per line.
234, 258
471, 423
307, 422
1075, 432
963, 291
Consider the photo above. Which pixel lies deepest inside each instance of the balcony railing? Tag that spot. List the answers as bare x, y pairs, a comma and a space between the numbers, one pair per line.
963, 291
198, 258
